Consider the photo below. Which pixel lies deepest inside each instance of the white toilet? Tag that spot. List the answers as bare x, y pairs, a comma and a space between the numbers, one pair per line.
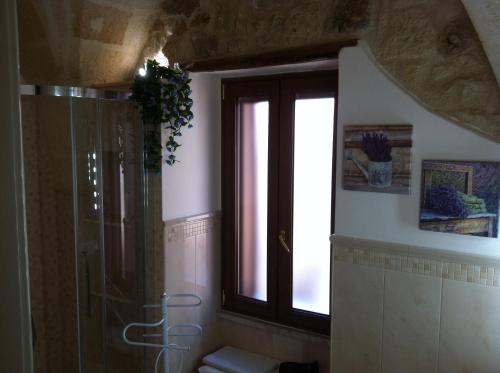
233, 360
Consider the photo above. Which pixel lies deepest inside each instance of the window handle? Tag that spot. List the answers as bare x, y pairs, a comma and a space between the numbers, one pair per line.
282, 238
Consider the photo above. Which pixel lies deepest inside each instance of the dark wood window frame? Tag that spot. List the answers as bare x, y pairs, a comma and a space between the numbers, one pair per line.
281, 91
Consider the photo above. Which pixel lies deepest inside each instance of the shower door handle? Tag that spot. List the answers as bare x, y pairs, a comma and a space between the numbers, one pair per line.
87, 284
282, 240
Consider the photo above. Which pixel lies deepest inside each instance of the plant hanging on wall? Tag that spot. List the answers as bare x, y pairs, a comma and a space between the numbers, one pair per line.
163, 97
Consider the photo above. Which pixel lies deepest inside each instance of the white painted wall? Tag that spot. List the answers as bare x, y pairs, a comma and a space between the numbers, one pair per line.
192, 187
368, 96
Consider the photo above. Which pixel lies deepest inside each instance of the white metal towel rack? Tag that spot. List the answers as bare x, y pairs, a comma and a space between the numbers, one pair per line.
167, 331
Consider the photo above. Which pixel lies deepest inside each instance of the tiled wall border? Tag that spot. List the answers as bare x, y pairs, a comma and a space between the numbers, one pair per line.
180, 229
419, 260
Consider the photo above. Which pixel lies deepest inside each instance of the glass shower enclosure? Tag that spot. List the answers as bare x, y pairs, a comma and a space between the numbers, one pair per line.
85, 201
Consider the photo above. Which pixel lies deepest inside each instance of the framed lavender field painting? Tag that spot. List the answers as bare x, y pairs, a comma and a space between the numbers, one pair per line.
377, 158
460, 197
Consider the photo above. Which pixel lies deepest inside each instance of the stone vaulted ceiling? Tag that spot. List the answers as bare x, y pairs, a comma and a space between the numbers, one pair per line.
83, 42
429, 46
485, 15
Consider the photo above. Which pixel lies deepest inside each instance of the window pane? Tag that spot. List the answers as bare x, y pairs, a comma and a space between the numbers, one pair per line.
312, 192
252, 154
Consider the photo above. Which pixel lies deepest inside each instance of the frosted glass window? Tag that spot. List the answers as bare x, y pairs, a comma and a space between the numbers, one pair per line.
312, 194
252, 152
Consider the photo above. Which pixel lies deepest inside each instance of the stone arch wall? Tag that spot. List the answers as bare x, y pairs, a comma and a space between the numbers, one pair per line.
429, 46
83, 42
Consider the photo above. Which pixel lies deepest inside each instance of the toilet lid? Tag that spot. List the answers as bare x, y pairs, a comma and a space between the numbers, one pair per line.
207, 369
234, 360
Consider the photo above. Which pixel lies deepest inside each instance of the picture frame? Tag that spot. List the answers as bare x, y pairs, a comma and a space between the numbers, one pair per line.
377, 158
461, 197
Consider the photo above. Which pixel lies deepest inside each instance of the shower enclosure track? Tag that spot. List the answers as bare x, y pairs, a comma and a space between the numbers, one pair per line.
91, 93
67, 91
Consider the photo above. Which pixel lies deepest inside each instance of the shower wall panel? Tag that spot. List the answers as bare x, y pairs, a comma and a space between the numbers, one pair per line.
123, 231
88, 243
85, 212
49, 199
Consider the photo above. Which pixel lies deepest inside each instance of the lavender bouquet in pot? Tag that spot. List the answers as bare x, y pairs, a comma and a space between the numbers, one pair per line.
377, 148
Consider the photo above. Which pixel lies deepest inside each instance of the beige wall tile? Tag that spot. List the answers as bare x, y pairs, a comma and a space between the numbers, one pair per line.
411, 322
275, 342
208, 288
208, 268
180, 266
312, 351
191, 266
470, 328
444, 317
262, 340
357, 313
246, 337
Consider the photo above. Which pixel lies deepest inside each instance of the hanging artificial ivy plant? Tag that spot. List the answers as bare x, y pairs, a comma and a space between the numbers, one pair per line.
163, 97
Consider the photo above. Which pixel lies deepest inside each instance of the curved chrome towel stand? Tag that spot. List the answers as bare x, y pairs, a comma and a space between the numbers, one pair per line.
175, 330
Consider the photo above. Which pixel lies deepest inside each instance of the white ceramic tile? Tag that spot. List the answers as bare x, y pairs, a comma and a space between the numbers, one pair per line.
357, 313
208, 288
180, 266
412, 305
470, 328
192, 266
207, 284
203, 263
189, 260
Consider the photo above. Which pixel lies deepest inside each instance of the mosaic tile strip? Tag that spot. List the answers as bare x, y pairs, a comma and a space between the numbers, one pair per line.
190, 227
484, 274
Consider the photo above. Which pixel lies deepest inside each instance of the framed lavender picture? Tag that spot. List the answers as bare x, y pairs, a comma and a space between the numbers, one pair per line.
460, 197
377, 158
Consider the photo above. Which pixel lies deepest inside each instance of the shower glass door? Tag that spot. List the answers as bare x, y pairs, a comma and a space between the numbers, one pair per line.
85, 203
107, 143
87, 217
122, 231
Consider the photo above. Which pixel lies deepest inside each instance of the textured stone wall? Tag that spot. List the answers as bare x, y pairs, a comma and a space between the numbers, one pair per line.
434, 52
428, 46
485, 16
83, 42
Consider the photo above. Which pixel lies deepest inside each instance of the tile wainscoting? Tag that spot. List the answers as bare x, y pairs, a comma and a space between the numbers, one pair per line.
411, 309
278, 341
191, 257
191, 265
